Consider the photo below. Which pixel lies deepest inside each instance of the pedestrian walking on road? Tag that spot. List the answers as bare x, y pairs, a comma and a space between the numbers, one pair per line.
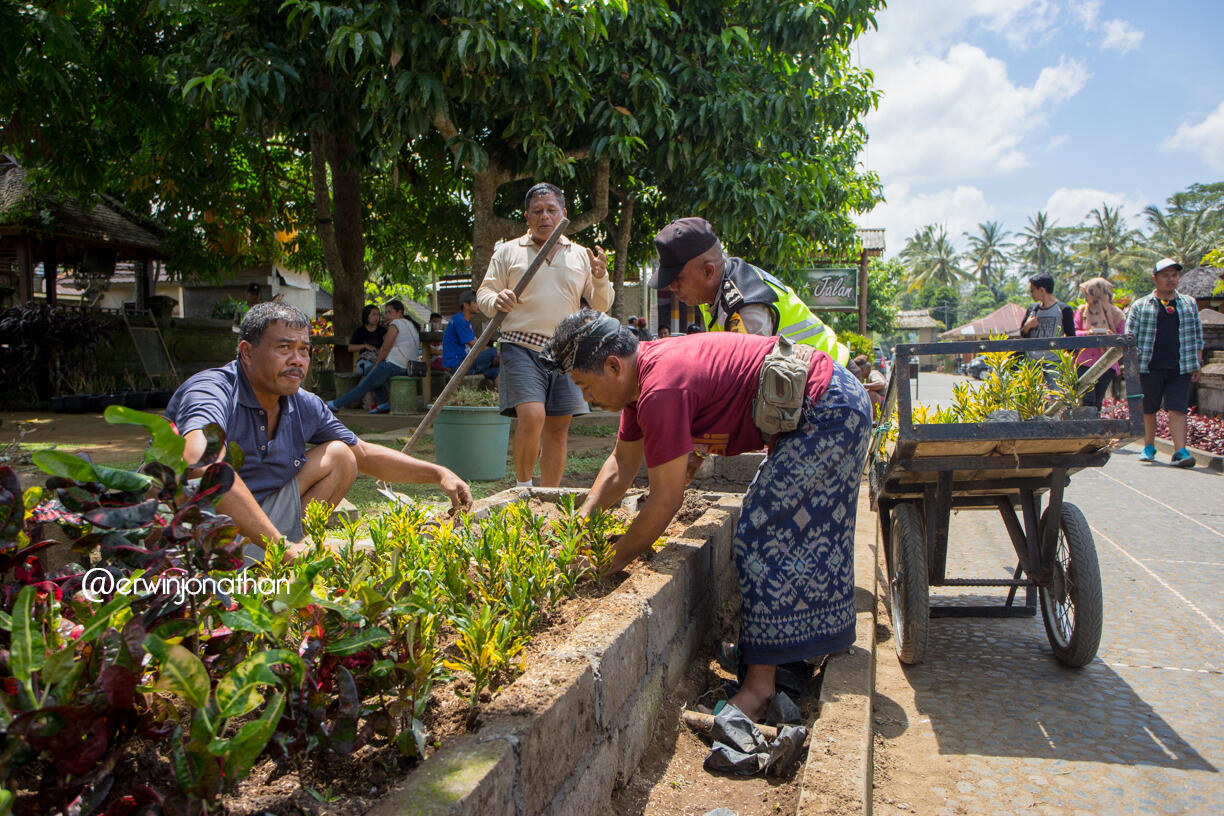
1169, 343
1097, 316
1046, 317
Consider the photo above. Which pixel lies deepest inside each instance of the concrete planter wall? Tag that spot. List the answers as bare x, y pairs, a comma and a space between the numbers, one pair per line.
576, 724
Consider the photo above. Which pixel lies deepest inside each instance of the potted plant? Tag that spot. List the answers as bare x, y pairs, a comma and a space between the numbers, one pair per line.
471, 437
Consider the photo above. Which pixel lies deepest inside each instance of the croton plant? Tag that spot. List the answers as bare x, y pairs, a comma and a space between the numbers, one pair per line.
346, 653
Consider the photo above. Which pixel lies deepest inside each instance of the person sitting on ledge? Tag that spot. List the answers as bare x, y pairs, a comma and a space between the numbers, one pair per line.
397, 357
459, 337
294, 448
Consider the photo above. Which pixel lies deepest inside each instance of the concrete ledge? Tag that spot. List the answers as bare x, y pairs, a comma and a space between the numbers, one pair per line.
576, 724
737, 469
838, 775
466, 778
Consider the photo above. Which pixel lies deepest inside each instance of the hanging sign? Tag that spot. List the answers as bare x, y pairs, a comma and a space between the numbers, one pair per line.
831, 288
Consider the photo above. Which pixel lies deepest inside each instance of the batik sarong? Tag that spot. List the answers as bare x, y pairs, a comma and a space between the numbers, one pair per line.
794, 543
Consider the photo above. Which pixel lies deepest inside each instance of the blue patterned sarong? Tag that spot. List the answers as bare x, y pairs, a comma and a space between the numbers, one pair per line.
794, 543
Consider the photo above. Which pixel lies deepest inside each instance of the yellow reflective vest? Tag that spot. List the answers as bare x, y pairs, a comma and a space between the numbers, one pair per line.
744, 284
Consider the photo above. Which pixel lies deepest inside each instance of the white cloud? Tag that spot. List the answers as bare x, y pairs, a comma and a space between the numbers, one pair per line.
1121, 36
959, 209
1070, 206
960, 116
937, 24
1087, 12
1206, 138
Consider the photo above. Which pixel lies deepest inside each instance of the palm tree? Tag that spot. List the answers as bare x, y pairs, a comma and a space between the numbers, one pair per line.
1179, 234
918, 247
930, 259
987, 254
1109, 244
1039, 246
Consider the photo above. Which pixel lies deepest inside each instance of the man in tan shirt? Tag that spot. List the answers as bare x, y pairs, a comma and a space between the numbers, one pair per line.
544, 401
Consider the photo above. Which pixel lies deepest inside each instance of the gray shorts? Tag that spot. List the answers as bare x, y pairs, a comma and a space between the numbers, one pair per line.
284, 510
524, 379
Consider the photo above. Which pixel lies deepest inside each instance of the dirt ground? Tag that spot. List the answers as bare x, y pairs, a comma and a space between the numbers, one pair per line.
106, 443
125, 444
670, 779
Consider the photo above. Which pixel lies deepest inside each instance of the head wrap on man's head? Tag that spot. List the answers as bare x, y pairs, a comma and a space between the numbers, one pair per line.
576, 349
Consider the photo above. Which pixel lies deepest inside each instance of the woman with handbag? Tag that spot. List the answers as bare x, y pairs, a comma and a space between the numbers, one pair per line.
398, 356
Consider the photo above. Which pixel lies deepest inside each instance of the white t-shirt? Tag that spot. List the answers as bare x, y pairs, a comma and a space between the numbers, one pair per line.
407, 343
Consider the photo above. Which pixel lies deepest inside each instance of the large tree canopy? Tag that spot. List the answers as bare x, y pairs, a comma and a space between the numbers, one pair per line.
382, 135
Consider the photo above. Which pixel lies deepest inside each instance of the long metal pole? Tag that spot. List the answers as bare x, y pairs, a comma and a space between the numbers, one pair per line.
485, 336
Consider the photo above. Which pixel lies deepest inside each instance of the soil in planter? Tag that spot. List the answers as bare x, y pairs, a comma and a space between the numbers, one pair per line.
350, 785
670, 779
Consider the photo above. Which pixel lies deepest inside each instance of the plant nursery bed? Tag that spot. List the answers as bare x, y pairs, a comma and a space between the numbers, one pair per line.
573, 727
555, 729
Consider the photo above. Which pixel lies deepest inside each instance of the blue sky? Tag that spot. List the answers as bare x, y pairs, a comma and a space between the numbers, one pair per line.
995, 109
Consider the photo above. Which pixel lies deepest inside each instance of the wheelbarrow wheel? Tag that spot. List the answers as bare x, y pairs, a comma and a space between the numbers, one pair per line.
1071, 605
908, 585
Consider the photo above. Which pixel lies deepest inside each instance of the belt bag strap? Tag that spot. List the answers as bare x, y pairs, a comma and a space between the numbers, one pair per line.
780, 389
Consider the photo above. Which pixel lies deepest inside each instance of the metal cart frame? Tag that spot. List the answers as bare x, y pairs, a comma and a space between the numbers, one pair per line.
933, 469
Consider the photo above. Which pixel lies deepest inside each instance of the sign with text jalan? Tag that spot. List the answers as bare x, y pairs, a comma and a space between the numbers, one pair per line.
831, 288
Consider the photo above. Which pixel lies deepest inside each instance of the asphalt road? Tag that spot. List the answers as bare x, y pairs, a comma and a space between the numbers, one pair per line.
1008, 730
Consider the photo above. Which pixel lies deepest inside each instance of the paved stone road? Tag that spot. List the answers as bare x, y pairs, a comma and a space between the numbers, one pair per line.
1002, 728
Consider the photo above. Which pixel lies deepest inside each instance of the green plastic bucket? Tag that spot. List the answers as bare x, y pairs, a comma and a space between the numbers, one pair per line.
472, 441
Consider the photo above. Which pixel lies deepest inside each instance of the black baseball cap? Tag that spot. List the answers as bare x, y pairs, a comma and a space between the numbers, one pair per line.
678, 243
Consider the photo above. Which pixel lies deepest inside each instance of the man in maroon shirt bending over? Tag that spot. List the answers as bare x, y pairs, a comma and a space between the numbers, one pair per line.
794, 539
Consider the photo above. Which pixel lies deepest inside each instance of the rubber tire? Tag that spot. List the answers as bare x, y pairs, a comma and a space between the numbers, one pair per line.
1075, 589
908, 584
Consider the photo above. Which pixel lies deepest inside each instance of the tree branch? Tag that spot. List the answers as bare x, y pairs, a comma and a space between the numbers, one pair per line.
322, 195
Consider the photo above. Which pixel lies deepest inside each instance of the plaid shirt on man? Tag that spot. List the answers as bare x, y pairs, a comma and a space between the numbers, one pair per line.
1141, 322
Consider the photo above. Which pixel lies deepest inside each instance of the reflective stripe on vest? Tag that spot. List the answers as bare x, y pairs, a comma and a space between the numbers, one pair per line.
797, 323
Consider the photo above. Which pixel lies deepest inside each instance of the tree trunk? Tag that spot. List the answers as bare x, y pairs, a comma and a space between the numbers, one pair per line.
620, 260
338, 214
487, 226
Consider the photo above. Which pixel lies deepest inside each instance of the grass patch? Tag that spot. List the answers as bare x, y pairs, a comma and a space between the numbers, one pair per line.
585, 465
31, 447
593, 430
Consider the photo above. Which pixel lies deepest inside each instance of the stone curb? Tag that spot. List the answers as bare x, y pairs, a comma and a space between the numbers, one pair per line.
1205, 459
575, 725
838, 775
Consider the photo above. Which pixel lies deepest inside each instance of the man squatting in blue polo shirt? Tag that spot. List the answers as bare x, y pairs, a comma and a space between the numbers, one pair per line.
259, 402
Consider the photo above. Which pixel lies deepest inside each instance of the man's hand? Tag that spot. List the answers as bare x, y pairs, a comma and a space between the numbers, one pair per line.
506, 300
456, 489
599, 262
1030, 324
1196, 375
295, 549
